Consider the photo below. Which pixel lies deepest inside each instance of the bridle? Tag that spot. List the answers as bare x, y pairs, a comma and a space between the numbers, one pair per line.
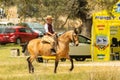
73, 40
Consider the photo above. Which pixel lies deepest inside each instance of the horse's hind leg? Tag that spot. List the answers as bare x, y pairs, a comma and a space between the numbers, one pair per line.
72, 65
29, 64
31, 68
56, 65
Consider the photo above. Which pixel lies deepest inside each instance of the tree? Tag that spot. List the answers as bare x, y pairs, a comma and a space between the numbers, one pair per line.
72, 9
87, 7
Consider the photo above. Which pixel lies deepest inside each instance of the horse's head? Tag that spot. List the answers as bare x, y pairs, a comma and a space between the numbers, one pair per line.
70, 36
75, 37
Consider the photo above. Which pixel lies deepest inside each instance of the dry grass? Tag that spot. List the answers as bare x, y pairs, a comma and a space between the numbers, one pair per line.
15, 68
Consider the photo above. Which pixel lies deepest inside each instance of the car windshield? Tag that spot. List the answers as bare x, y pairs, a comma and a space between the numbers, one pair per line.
36, 26
40, 29
83, 39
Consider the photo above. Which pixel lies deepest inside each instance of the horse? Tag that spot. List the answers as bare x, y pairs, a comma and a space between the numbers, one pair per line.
36, 48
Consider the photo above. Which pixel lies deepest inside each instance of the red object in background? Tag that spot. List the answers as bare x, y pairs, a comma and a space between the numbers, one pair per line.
17, 34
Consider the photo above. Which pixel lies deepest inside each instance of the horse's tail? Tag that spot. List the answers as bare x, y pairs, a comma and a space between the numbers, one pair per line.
24, 47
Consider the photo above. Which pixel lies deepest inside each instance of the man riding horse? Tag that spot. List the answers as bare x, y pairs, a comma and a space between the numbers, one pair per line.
50, 35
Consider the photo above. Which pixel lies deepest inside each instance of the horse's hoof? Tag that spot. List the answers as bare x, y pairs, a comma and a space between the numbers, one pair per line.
31, 72
70, 69
55, 72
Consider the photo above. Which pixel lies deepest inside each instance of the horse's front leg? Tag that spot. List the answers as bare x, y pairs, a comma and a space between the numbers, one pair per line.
71, 60
72, 65
56, 65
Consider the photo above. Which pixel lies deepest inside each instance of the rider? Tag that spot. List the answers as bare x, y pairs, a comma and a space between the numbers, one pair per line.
50, 34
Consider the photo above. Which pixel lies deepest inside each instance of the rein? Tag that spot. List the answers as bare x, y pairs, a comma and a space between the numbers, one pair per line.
73, 40
73, 37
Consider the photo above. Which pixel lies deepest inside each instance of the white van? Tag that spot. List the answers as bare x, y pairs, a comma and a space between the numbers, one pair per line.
82, 51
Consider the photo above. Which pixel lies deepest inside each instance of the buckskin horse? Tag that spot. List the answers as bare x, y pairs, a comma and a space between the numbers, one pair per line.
36, 48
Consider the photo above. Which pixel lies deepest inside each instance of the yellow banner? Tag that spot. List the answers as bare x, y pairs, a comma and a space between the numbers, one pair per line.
105, 27
100, 38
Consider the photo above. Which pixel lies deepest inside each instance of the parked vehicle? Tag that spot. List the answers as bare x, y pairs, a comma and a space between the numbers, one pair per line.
3, 25
36, 27
17, 34
82, 51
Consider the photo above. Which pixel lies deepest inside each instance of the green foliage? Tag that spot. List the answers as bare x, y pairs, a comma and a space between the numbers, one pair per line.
68, 8
28, 8
82, 9
7, 3
107, 4
73, 8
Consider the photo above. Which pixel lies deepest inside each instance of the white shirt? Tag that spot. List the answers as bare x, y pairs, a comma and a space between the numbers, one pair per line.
46, 28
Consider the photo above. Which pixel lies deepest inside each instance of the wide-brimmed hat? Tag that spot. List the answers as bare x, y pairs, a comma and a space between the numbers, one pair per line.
49, 17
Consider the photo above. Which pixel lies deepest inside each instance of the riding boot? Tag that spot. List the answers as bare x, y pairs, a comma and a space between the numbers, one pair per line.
53, 51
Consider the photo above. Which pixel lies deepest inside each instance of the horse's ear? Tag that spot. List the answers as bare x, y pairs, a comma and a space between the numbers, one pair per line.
77, 30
